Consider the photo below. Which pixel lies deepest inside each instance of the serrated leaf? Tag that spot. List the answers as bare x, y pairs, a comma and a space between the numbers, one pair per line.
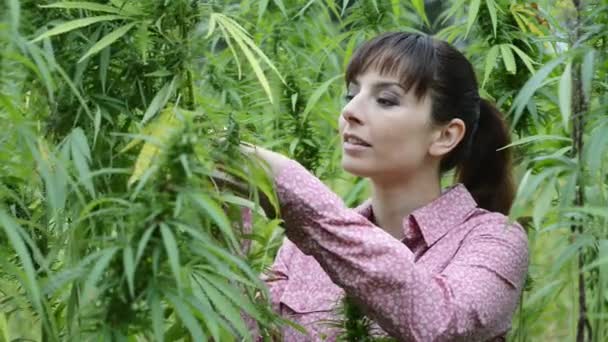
183, 312
75, 24
97, 272
107, 40
536, 138
565, 95
316, 95
492, 9
419, 7
13, 232
161, 132
216, 214
281, 6
84, 5
81, 155
587, 73
223, 305
143, 242
542, 204
156, 313
344, 7
508, 58
530, 87
172, 253
250, 49
96, 125
235, 295
129, 265
473, 10
159, 101
524, 57
489, 64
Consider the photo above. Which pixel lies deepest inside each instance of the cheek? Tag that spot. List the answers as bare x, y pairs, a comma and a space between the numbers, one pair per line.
402, 140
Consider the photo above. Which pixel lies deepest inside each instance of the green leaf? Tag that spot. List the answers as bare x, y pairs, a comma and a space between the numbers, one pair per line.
143, 242
183, 312
172, 253
248, 47
473, 10
159, 101
419, 7
281, 6
199, 301
542, 205
316, 95
508, 58
596, 147
492, 9
107, 40
216, 214
570, 252
490, 63
344, 7
75, 24
13, 233
84, 5
565, 95
129, 265
96, 273
156, 312
81, 155
262, 7
587, 73
536, 138
15, 14
234, 294
524, 57
528, 90
96, 125
223, 305
542, 293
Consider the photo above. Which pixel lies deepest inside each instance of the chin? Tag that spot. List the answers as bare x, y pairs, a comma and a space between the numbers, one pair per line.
357, 168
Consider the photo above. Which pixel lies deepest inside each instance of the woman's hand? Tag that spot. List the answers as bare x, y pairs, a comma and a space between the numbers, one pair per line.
275, 161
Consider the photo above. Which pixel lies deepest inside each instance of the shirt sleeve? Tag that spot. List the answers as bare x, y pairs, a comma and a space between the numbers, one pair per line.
472, 298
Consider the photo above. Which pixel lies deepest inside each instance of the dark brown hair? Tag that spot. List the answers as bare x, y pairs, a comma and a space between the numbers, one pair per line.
433, 67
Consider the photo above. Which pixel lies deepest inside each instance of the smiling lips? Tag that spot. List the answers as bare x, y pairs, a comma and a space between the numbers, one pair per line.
352, 139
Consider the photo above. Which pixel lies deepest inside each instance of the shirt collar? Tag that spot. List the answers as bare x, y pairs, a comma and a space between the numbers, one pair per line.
436, 218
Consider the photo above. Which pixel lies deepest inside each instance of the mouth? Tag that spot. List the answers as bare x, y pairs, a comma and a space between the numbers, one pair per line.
353, 140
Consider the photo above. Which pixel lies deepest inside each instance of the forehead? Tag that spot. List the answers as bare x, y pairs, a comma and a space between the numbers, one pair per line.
375, 78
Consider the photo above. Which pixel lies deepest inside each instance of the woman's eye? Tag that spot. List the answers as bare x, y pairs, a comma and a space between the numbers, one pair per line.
386, 102
348, 97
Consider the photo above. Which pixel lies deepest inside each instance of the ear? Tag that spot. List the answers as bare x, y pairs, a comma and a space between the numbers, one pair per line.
447, 137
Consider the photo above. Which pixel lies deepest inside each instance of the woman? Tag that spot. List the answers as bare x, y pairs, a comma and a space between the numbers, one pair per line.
424, 264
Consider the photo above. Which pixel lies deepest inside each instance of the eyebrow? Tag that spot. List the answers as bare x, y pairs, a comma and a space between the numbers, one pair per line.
380, 85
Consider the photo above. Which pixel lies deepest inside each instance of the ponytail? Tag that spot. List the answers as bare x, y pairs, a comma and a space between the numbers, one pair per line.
486, 172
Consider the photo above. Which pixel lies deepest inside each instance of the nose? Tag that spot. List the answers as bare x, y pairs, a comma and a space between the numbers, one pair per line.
351, 113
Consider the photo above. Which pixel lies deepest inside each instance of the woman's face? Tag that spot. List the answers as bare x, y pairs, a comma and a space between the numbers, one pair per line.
386, 132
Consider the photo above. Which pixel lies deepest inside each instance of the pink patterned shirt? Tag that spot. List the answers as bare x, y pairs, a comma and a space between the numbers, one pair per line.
456, 275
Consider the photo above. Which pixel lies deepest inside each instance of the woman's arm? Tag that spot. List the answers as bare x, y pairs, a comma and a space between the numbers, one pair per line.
477, 290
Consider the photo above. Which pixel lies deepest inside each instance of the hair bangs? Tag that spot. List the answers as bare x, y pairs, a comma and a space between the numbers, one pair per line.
408, 57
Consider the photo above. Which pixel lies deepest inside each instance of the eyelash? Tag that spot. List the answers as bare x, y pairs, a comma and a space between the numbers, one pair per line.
386, 103
381, 101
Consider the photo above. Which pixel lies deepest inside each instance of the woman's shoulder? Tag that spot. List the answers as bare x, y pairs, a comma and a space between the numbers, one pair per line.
489, 224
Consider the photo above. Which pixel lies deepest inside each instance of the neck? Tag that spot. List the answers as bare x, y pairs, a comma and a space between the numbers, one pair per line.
392, 201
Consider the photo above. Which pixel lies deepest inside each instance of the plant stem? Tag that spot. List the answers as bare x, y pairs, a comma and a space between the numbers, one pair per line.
579, 107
